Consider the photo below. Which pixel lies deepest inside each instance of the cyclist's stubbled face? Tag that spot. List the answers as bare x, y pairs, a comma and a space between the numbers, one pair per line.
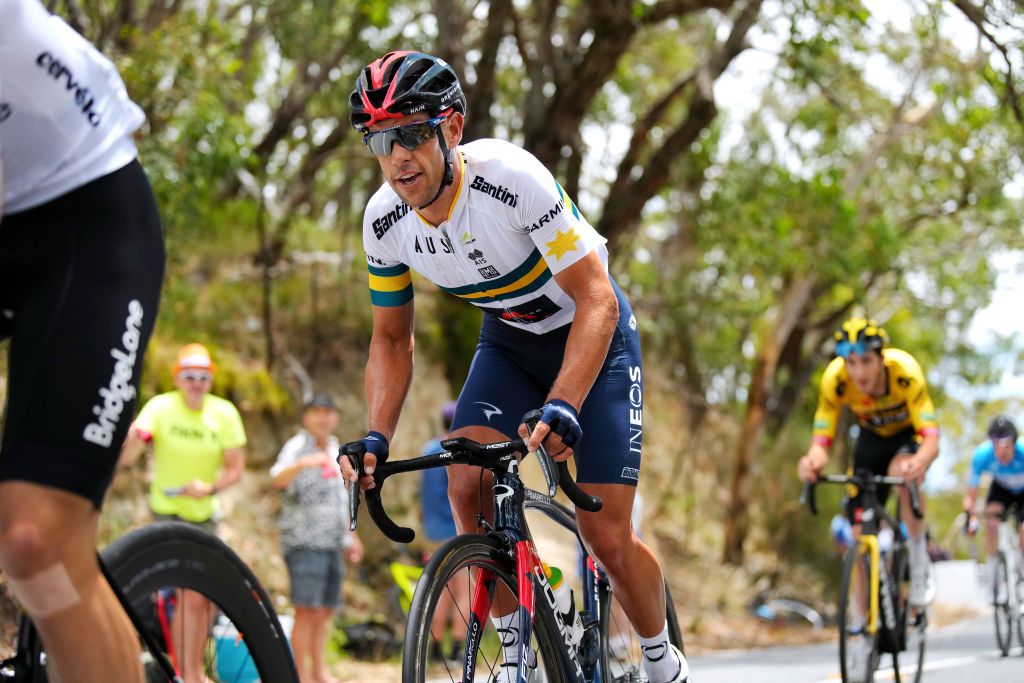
417, 173
1004, 449
867, 372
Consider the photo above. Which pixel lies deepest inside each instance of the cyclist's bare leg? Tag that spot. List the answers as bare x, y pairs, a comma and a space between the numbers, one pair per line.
632, 568
465, 488
48, 546
914, 525
993, 518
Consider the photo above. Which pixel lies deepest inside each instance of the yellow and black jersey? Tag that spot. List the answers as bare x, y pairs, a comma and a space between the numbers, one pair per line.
905, 404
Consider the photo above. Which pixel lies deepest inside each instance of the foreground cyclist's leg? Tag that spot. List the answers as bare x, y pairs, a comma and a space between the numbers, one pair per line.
635, 575
48, 549
466, 491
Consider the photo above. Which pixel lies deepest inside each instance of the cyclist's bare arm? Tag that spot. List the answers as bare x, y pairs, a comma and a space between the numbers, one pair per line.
970, 499
388, 376
813, 463
597, 312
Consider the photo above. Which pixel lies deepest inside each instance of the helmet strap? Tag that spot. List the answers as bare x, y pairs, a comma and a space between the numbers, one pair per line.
449, 174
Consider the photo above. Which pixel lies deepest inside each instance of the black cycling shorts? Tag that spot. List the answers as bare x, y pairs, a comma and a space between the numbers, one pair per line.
874, 453
80, 284
1008, 499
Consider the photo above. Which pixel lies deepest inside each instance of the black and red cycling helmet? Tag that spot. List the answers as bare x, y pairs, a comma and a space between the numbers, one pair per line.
401, 83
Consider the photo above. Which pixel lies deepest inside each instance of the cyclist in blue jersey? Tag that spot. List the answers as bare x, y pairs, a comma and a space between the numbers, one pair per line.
81, 263
488, 223
1002, 457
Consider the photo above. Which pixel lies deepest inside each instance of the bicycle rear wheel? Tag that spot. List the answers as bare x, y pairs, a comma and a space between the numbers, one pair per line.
481, 564
1001, 604
621, 657
155, 564
858, 646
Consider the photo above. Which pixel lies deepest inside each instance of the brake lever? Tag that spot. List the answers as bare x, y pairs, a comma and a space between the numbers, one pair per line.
547, 465
354, 451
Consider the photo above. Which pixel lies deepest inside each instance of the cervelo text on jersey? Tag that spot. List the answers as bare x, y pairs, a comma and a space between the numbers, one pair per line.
510, 229
65, 116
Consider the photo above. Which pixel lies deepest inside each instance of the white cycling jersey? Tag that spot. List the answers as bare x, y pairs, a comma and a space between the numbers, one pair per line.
510, 229
65, 117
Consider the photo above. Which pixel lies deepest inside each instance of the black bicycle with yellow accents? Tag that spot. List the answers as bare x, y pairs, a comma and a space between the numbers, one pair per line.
875, 615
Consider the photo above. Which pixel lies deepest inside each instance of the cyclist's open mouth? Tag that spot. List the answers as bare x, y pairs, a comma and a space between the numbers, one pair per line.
408, 179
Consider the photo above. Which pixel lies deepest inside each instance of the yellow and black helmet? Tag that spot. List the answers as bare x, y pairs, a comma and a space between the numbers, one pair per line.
860, 335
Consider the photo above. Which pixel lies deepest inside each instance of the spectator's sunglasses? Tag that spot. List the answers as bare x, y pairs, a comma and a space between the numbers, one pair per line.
408, 135
195, 376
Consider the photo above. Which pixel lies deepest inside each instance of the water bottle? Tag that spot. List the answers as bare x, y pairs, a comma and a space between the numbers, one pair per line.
566, 604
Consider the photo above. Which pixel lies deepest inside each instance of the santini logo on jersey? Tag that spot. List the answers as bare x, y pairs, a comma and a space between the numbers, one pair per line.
499, 192
384, 223
59, 72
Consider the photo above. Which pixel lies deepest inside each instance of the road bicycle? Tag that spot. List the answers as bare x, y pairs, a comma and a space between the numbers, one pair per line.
147, 568
875, 616
505, 556
1008, 586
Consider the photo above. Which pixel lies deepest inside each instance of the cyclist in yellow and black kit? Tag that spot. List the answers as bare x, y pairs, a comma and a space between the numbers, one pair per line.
886, 391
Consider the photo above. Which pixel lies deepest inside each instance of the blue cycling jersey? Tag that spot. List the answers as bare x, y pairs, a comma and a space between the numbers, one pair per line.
1009, 476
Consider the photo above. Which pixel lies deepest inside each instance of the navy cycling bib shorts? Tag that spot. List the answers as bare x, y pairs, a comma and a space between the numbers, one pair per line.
513, 370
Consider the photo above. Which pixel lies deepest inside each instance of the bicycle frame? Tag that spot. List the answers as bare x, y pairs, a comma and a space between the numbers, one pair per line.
510, 495
1009, 546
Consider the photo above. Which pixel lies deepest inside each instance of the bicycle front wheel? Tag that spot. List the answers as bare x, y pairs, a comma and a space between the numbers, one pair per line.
913, 620
621, 656
201, 604
858, 641
477, 566
1001, 604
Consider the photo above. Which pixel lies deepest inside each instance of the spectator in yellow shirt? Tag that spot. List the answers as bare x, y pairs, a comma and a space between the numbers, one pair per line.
198, 443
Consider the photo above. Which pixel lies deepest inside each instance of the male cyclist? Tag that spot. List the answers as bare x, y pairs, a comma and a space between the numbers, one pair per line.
81, 261
488, 223
899, 436
1002, 456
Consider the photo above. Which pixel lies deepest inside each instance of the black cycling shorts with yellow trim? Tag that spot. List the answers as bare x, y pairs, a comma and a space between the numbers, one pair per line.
875, 453
80, 284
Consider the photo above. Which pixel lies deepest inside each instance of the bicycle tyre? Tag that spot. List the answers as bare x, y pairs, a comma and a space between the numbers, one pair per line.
856, 560
456, 560
1001, 608
621, 657
1020, 604
178, 555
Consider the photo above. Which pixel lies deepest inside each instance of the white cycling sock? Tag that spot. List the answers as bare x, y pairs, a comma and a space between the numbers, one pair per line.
918, 552
509, 628
660, 662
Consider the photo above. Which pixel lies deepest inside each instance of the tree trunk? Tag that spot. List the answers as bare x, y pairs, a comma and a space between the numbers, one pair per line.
793, 307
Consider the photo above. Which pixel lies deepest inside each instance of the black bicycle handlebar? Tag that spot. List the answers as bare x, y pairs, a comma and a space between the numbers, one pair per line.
459, 450
808, 495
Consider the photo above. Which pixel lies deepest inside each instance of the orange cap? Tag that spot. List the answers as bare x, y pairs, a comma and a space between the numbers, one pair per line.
194, 356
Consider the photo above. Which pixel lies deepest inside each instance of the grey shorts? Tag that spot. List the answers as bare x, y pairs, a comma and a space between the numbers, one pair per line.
315, 577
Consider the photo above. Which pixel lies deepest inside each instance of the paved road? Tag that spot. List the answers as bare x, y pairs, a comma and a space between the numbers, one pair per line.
962, 652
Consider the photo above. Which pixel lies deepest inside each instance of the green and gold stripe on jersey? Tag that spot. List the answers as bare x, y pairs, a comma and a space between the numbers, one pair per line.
390, 286
526, 278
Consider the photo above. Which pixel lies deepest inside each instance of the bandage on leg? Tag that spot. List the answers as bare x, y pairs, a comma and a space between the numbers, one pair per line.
47, 592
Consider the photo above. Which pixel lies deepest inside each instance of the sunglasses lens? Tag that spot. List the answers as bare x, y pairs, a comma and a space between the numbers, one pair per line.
195, 376
409, 136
